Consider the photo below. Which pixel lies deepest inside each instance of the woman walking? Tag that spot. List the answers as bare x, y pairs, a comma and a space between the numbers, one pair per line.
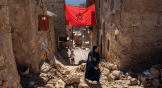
92, 67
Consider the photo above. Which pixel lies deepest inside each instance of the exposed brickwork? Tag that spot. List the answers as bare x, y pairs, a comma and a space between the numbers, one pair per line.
138, 40
59, 21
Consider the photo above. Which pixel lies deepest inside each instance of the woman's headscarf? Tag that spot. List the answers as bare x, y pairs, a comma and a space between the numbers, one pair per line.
96, 55
93, 51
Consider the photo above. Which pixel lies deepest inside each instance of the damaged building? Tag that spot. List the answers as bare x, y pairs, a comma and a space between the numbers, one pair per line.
57, 7
129, 32
21, 44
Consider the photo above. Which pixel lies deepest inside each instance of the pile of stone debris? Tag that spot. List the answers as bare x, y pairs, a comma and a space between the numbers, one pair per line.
111, 77
151, 77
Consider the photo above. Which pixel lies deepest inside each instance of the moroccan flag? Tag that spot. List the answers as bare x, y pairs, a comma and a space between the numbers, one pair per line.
76, 16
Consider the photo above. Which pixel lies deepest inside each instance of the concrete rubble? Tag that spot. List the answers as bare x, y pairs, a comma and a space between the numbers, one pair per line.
64, 78
133, 81
151, 77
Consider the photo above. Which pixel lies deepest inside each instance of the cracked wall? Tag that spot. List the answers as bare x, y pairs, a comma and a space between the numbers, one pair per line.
138, 41
9, 77
27, 48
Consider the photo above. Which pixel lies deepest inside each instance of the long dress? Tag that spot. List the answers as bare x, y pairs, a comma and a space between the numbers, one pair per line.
91, 73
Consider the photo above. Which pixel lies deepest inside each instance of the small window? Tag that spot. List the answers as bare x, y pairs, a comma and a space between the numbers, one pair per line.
69, 29
112, 5
52, 5
108, 44
116, 37
116, 34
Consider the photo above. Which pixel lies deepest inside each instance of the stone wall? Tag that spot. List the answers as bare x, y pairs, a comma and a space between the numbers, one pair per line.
102, 29
95, 32
57, 7
137, 25
51, 37
69, 31
50, 40
78, 39
24, 21
85, 33
94, 36
64, 44
9, 77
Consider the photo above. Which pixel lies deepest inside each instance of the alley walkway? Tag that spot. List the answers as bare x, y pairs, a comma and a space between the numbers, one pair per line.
80, 54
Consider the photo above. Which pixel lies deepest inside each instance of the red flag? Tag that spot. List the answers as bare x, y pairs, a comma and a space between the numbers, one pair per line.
76, 16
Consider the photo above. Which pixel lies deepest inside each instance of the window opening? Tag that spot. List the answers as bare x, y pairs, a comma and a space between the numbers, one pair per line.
112, 5
108, 44
115, 37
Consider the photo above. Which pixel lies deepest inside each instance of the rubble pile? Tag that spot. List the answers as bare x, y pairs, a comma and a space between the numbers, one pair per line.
151, 77
110, 77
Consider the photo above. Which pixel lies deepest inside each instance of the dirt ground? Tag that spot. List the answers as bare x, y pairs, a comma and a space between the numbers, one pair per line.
79, 53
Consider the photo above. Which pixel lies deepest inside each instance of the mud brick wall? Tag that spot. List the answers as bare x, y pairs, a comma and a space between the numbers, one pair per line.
9, 77
24, 21
137, 24
57, 7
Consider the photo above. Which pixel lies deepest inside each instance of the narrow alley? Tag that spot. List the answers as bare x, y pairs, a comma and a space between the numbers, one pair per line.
80, 43
79, 53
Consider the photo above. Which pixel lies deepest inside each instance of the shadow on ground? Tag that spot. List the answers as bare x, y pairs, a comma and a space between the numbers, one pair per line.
94, 85
35, 77
39, 81
64, 53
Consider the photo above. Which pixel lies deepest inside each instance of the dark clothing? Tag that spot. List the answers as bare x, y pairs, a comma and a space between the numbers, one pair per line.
72, 61
93, 51
91, 73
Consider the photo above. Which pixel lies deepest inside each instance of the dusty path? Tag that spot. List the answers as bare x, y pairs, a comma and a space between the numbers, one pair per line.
80, 54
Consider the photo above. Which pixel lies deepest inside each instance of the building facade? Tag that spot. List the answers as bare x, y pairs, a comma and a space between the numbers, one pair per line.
94, 30
128, 31
57, 7
132, 32
21, 45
